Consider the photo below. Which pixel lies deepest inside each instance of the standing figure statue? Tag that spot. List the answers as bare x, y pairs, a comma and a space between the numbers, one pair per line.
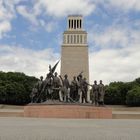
82, 88
34, 94
79, 81
56, 86
95, 96
36, 90
74, 89
65, 90
47, 88
101, 93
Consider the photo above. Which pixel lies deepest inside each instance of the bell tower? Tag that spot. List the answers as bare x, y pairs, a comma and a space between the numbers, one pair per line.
74, 50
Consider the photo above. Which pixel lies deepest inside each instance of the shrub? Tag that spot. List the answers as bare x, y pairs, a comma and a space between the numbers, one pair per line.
116, 93
133, 97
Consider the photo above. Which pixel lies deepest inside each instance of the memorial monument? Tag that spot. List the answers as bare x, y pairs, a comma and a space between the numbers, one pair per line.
65, 96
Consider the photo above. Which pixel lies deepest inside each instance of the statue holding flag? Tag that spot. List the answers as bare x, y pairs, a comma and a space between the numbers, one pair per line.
45, 90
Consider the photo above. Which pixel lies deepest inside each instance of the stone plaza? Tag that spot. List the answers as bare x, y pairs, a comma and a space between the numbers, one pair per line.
68, 129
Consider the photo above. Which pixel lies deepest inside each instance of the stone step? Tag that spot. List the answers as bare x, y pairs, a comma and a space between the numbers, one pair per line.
126, 109
12, 107
11, 113
115, 114
126, 115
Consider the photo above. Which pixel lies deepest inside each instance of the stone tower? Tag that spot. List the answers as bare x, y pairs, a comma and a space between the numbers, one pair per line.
74, 50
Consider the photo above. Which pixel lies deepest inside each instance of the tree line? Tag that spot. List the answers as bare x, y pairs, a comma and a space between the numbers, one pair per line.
15, 88
123, 93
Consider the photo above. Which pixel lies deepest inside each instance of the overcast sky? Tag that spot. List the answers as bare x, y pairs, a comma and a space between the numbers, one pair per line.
31, 36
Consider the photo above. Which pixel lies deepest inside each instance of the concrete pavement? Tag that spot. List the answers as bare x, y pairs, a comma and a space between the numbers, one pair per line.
68, 129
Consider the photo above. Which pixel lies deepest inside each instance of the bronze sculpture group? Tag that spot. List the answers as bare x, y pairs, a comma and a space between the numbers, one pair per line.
55, 87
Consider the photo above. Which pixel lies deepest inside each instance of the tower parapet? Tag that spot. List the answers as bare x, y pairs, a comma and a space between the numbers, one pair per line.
75, 22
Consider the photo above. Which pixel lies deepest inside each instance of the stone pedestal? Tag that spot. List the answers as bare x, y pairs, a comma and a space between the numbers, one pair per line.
67, 111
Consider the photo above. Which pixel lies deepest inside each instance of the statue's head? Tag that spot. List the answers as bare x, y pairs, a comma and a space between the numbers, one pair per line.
95, 82
66, 76
48, 75
41, 77
55, 74
74, 77
101, 81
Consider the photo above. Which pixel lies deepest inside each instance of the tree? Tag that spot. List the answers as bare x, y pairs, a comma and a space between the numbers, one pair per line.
133, 96
116, 93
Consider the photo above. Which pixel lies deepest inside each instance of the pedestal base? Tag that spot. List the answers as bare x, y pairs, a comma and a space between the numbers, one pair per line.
67, 111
